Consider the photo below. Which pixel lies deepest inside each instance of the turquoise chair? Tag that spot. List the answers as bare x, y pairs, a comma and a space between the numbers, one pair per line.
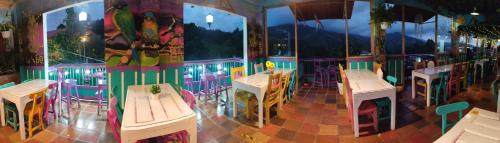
450, 108
291, 85
10, 110
441, 87
494, 90
384, 104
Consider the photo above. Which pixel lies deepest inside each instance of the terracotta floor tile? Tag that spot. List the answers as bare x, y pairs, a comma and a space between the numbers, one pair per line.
292, 125
328, 129
327, 139
270, 130
286, 134
304, 138
45, 135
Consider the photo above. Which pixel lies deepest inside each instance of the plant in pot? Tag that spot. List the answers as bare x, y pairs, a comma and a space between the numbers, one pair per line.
382, 15
155, 90
6, 29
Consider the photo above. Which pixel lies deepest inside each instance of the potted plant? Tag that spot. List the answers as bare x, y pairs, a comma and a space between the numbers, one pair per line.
155, 90
383, 15
6, 29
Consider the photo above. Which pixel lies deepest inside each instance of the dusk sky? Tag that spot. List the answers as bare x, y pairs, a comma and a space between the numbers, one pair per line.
222, 20
95, 10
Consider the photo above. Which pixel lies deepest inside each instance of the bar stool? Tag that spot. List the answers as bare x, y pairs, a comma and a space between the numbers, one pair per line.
101, 86
331, 75
69, 84
51, 101
318, 74
223, 85
210, 83
188, 82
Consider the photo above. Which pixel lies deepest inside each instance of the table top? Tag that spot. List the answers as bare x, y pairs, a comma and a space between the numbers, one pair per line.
477, 126
260, 79
434, 70
364, 81
27, 88
142, 111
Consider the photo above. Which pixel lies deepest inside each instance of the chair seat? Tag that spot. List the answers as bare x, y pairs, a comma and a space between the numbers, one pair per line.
421, 83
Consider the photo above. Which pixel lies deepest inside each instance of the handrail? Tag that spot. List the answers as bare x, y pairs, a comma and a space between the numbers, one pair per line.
212, 61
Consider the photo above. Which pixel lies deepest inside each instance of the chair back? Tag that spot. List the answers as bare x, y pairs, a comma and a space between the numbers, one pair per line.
53, 90
291, 86
348, 94
464, 69
430, 64
494, 90
392, 80
7, 85
454, 73
450, 108
273, 87
342, 73
286, 82
189, 98
418, 65
258, 67
38, 101
237, 72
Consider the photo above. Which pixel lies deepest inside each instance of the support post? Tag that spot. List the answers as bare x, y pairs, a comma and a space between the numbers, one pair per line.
296, 49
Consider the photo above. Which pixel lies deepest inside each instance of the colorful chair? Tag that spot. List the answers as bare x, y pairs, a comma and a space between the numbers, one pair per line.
240, 95
420, 82
440, 62
258, 67
367, 108
430, 64
113, 122
341, 69
331, 76
291, 87
69, 85
318, 74
51, 101
494, 90
223, 85
101, 87
10, 110
463, 74
441, 87
384, 104
210, 85
189, 83
35, 109
450, 108
182, 136
454, 80
284, 87
272, 95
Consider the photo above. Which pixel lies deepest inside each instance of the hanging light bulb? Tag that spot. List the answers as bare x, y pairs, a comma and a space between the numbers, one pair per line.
82, 16
209, 19
474, 12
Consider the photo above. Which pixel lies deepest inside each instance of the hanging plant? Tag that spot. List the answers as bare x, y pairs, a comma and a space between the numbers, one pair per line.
6, 29
383, 15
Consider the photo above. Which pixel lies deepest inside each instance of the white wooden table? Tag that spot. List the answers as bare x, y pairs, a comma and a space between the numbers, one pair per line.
19, 95
498, 103
145, 117
256, 84
480, 63
478, 126
429, 75
367, 86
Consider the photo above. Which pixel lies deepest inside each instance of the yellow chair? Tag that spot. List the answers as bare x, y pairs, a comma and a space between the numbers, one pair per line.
341, 69
284, 87
243, 96
35, 108
272, 95
420, 82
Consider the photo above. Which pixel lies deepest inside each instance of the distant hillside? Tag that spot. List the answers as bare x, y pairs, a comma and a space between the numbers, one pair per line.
320, 43
203, 44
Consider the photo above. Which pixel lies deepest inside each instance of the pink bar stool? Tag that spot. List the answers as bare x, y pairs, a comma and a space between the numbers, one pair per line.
70, 84
51, 101
188, 81
223, 85
210, 82
101, 86
318, 74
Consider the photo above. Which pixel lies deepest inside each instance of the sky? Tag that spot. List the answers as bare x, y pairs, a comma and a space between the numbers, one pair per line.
223, 21
358, 24
95, 10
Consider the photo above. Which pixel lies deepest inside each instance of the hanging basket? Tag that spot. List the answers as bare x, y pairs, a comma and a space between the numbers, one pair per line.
384, 25
6, 34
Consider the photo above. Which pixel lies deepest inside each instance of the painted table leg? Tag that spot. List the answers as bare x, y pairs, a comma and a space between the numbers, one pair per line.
2, 112
393, 111
413, 86
235, 109
21, 121
428, 82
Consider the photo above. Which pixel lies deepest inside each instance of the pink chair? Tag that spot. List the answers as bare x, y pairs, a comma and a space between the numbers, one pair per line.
113, 122
367, 108
51, 101
223, 85
70, 84
188, 81
210, 83
318, 74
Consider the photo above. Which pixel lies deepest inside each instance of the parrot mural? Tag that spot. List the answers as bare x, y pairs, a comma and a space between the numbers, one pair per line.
150, 29
123, 20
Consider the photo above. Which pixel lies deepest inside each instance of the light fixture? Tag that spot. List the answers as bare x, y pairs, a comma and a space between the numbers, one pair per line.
209, 19
82, 16
474, 12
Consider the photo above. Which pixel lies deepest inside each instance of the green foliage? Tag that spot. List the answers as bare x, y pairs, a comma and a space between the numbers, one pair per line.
6, 26
155, 89
203, 44
382, 13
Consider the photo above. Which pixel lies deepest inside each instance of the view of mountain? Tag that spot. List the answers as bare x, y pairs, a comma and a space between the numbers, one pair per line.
315, 42
204, 44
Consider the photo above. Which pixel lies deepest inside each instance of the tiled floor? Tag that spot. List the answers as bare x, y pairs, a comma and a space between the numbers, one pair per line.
315, 115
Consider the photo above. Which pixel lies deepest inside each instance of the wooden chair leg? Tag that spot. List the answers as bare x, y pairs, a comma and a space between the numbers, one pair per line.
30, 126
40, 120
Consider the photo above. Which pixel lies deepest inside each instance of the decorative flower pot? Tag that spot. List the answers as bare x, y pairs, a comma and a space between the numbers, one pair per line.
6, 34
271, 70
384, 25
155, 96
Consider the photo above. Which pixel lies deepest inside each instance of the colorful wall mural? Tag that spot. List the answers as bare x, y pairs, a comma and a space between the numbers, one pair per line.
143, 33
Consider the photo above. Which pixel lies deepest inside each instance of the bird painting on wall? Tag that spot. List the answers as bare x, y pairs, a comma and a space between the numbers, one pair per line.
150, 37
